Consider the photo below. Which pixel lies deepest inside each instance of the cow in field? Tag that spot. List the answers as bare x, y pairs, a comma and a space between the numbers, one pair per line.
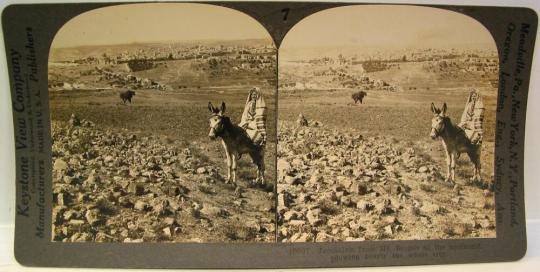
127, 96
359, 96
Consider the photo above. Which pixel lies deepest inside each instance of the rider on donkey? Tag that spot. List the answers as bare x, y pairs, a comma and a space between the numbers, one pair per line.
473, 117
254, 117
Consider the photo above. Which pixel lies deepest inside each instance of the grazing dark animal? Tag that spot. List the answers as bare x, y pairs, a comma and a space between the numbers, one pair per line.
455, 142
359, 96
127, 96
236, 142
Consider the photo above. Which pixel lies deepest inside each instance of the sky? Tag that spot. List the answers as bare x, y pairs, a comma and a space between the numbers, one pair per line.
387, 26
151, 22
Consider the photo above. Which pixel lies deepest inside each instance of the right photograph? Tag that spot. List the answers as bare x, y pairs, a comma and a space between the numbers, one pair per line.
386, 127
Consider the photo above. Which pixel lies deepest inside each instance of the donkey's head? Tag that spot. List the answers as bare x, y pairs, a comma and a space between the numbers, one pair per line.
218, 121
438, 123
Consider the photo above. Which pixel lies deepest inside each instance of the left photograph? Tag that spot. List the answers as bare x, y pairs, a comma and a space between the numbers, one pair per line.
163, 122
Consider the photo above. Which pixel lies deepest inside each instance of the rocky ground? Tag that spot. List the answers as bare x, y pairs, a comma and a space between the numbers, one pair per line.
116, 186
336, 185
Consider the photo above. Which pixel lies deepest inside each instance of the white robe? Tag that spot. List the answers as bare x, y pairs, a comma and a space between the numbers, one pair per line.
472, 119
254, 118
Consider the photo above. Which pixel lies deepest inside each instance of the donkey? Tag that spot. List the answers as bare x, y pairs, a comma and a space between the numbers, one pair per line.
455, 142
236, 142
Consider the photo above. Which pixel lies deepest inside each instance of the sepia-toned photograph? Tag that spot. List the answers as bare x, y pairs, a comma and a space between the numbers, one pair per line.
163, 126
386, 126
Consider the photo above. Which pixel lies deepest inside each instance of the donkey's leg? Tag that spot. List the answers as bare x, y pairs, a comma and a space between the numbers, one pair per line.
261, 167
453, 167
233, 167
258, 178
448, 163
474, 155
258, 159
478, 164
229, 166
229, 162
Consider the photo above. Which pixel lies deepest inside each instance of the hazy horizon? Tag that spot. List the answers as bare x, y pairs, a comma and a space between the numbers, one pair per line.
203, 41
314, 52
384, 27
154, 22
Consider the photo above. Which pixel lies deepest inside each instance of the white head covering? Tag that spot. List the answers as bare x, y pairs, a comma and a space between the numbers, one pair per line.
258, 105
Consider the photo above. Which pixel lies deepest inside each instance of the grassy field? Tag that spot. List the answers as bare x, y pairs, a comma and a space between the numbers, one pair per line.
172, 115
179, 120
389, 125
176, 118
403, 115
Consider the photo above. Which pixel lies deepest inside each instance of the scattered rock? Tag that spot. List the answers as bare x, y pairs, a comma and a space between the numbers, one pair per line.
167, 232
140, 205
297, 223
359, 187
388, 230
290, 215
201, 170
214, 211
93, 217
60, 165
136, 188
313, 217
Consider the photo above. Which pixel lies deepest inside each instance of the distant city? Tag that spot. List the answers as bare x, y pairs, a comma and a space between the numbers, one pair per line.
136, 65
246, 56
356, 70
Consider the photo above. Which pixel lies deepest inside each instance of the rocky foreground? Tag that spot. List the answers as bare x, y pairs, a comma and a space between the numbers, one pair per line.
336, 185
119, 187
333, 185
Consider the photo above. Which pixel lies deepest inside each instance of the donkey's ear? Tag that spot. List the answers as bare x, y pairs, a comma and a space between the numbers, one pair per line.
434, 109
222, 109
210, 107
444, 109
